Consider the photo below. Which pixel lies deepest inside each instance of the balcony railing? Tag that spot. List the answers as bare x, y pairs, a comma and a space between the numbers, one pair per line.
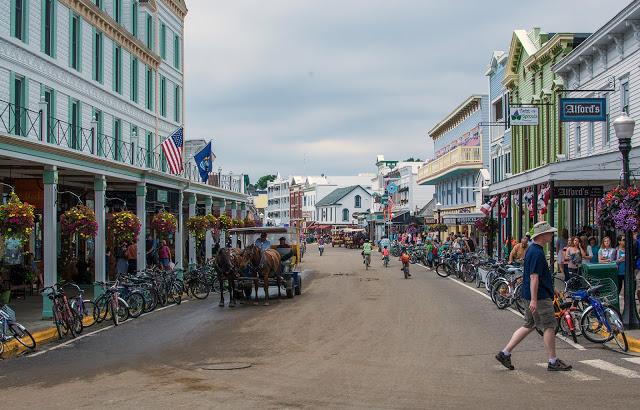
459, 157
29, 124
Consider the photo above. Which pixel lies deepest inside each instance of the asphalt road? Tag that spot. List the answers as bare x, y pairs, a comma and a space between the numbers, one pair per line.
353, 339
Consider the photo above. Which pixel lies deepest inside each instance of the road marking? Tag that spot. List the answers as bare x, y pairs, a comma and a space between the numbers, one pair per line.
565, 339
610, 367
635, 360
574, 373
520, 375
68, 342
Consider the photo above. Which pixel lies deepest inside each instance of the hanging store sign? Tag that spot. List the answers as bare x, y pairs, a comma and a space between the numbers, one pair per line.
582, 109
523, 115
458, 219
162, 196
563, 192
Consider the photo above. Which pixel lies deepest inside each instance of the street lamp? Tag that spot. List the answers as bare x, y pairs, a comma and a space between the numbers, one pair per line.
438, 207
623, 127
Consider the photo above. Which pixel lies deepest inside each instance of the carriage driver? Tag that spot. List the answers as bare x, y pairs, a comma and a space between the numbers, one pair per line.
263, 242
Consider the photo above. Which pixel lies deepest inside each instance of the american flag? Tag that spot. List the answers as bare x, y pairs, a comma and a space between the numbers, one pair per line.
172, 148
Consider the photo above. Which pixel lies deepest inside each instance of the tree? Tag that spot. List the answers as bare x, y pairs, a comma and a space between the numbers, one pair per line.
412, 160
262, 182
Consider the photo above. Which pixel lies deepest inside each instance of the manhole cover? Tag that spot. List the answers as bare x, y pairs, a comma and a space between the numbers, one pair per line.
224, 366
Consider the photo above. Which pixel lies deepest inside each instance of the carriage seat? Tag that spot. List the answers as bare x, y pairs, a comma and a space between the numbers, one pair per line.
285, 253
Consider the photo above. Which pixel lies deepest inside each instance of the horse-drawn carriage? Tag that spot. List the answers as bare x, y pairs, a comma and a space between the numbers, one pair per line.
254, 266
337, 238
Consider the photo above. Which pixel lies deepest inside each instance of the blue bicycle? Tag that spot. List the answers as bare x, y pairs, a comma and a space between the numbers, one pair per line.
10, 329
600, 323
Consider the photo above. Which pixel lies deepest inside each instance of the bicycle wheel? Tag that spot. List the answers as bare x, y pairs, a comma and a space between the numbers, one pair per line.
593, 327
501, 294
22, 335
478, 280
90, 313
199, 289
135, 300
406, 272
77, 321
521, 304
576, 314
71, 320
59, 321
150, 299
163, 295
176, 293
441, 270
113, 312
123, 310
470, 276
101, 303
615, 320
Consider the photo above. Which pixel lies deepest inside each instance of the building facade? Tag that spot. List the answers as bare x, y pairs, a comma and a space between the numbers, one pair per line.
341, 206
461, 145
278, 199
88, 90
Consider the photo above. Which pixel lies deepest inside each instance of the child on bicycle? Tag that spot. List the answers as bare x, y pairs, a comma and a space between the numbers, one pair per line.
405, 258
385, 254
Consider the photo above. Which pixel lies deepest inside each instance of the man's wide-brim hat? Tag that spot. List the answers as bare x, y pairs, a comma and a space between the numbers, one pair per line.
541, 228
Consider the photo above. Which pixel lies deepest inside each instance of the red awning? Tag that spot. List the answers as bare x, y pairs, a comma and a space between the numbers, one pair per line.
323, 227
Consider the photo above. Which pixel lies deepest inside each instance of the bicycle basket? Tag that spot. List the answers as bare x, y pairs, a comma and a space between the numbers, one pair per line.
609, 293
10, 314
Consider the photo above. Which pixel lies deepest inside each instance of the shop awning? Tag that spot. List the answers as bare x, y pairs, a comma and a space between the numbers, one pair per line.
461, 219
323, 227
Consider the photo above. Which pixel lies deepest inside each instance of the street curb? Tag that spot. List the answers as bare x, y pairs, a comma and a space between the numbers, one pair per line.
634, 344
41, 337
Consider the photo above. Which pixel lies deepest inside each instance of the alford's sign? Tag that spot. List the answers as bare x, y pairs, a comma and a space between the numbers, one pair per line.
578, 192
582, 109
523, 115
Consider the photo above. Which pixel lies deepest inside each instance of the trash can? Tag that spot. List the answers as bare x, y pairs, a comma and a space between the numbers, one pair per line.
605, 274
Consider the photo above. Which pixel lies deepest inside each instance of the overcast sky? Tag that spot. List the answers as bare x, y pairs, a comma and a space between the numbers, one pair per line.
309, 87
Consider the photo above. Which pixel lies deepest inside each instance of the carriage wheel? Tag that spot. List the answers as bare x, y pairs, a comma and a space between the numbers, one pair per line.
289, 287
298, 289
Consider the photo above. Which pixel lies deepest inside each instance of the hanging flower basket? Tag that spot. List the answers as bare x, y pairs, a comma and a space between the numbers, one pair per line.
412, 228
620, 209
164, 224
198, 225
79, 220
125, 226
249, 223
437, 228
487, 226
225, 222
237, 223
214, 223
16, 219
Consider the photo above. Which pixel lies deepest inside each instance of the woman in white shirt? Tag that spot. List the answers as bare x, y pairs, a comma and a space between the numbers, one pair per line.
606, 253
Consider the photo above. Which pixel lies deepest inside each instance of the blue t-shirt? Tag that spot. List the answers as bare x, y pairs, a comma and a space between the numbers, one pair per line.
536, 263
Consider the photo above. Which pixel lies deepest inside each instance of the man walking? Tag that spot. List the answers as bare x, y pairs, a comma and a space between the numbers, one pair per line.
537, 289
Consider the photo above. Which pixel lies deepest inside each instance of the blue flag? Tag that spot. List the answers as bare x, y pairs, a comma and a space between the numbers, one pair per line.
203, 162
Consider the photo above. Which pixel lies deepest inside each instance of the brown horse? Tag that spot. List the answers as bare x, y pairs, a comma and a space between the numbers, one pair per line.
230, 264
264, 263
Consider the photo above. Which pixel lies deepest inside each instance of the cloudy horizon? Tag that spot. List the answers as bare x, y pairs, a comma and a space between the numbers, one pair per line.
308, 87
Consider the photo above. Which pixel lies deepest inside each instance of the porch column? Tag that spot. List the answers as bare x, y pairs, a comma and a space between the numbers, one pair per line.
178, 237
499, 253
50, 227
141, 211
223, 205
520, 217
192, 239
535, 204
100, 269
243, 211
208, 241
234, 214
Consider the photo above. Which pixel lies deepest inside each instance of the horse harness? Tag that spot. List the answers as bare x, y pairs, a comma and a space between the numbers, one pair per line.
262, 264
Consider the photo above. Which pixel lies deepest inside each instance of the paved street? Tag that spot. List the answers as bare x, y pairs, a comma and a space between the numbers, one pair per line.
353, 339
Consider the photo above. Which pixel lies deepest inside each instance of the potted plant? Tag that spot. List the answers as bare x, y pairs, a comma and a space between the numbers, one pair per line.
16, 219
487, 226
79, 220
225, 222
198, 225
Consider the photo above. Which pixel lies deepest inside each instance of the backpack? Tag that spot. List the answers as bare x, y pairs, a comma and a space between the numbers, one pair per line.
434, 251
405, 257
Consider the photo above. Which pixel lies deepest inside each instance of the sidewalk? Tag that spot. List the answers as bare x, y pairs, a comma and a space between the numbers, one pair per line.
28, 312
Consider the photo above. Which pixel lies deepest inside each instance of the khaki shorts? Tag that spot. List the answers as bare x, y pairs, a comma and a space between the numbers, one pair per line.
544, 317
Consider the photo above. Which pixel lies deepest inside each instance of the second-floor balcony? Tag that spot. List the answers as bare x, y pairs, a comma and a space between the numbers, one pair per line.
456, 162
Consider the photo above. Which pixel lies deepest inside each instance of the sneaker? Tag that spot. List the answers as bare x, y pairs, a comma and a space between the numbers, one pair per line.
505, 360
559, 366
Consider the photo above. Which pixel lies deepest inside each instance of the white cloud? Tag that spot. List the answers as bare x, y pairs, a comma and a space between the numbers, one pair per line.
342, 81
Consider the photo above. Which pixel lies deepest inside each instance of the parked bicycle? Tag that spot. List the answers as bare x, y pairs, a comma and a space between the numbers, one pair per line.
65, 318
10, 329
